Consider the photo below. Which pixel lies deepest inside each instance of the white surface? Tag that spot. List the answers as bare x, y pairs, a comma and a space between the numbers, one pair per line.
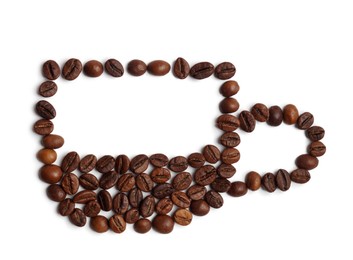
298, 52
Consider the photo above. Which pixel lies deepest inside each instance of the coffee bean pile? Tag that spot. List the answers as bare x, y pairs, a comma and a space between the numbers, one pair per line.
166, 190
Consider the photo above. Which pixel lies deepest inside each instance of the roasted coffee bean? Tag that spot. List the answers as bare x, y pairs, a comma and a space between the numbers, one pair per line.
315, 133
43, 127
211, 153
180, 199
147, 206
290, 114
136, 68
230, 155
108, 180
132, 215
224, 70
84, 196
283, 180
307, 162
105, 200
66, 207
182, 181
196, 192
300, 176
247, 121
52, 141
72, 69
50, 173
237, 189
122, 164
220, 184
56, 193
159, 160
88, 163
105, 164
70, 162
47, 156
158, 67
47, 89
143, 225
45, 109
201, 70
275, 116
163, 224
144, 182
182, 217
229, 88
199, 208
126, 182
305, 121
160, 175
181, 68
260, 112
229, 105
230, 139
89, 181
164, 206
120, 203
70, 183
317, 149
268, 182
139, 163
135, 197
162, 190
117, 223
99, 224
226, 170
114, 68
253, 181
78, 218
93, 68
196, 160
51, 70
205, 175
214, 199
228, 123
92, 208
178, 164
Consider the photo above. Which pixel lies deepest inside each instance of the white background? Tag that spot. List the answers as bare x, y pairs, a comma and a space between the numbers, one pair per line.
296, 52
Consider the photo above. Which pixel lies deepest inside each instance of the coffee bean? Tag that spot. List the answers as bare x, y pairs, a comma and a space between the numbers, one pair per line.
136, 68
160, 175
139, 163
283, 180
317, 149
305, 121
182, 217
181, 68
182, 181
178, 164
180, 199
87, 163
268, 182
66, 207
196, 160
230, 155
229, 105
300, 176
315, 133
89, 181
47, 156
122, 164
247, 121
220, 184
47, 89
142, 226
114, 68
50, 173
230, 139
51, 70
84, 196
93, 68
159, 160
275, 116
99, 224
105, 200
211, 153
164, 206
56, 193
147, 206
135, 197
70, 183
70, 162
108, 180
226, 170
117, 223
105, 164
199, 208
132, 215
228, 123
43, 127
196, 192
163, 224
290, 114
126, 182
307, 162
201, 70
45, 109
72, 69
214, 199
162, 190
229, 88
144, 182
260, 112
237, 189
92, 208
120, 203
205, 175
253, 181
158, 67
224, 70
78, 218
52, 141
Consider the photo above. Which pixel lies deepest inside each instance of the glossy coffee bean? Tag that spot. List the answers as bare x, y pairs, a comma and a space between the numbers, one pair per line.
136, 67
47, 156
226, 170
56, 193
268, 182
220, 184
117, 223
50, 173
105, 164
229, 105
178, 164
93, 68
211, 153
162, 190
230, 155
47, 89
182, 181
180, 199
105, 200
201, 70
237, 189
214, 199
260, 112
99, 224
229, 88
45, 109
70, 162
120, 203
66, 207
315, 133
317, 149
135, 197
247, 121
84, 196
147, 206
253, 181
43, 127
132, 215
87, 163
300, 176
196, 192
182, 217
114, 68
126, 182
72, 69
163, 224
139, 163
230, 139
122, 164
164, 206
78, 218
144, 182
160, 175
283, 180
224, 70
181, 68
228, 123
205, 175
159, 160
275, 116
142, 226
70, 183
158, 67
51, 70
108, 180
307, 162
88, 181
199, 207
290, 114
196, 160
305, 121
92, 208
53, 141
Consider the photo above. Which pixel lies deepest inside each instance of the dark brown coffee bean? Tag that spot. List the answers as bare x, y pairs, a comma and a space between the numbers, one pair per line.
135, 197
196, 192
205, 175
201, 70
136, 68
108, 180
180, 199
268, 182
120, 203
315, 133
99, 224
122, 164
163, 224
143, 225
45, 109
105, 200
162, 190
43, 127
305, 121
237, 189
92, 208
230, 139
147, 206
126, 182
164, 206
307, 162
260, 112
132, 215
56, 193
160, 175
50, 173
224, 70
220, 184
66, 207
70, 162
51, 70
247, 121
114, 68
211, 153
78, 218
47, 156
158, 67
84, 196
199, 208
275, 116
47, 89
178, 164
229, 88
182, 217
283, 180
196, 160
139, 163
300, 176
228, 123
105, 164
182, 181
214, 199
290, 114
229, 105
117, 223
317, 149
144, 182
230, 155
52, 141
70, 183
181, 68
89, 181
72, 69
253, 181
159, 160
88, 163
93, 68
226, 170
